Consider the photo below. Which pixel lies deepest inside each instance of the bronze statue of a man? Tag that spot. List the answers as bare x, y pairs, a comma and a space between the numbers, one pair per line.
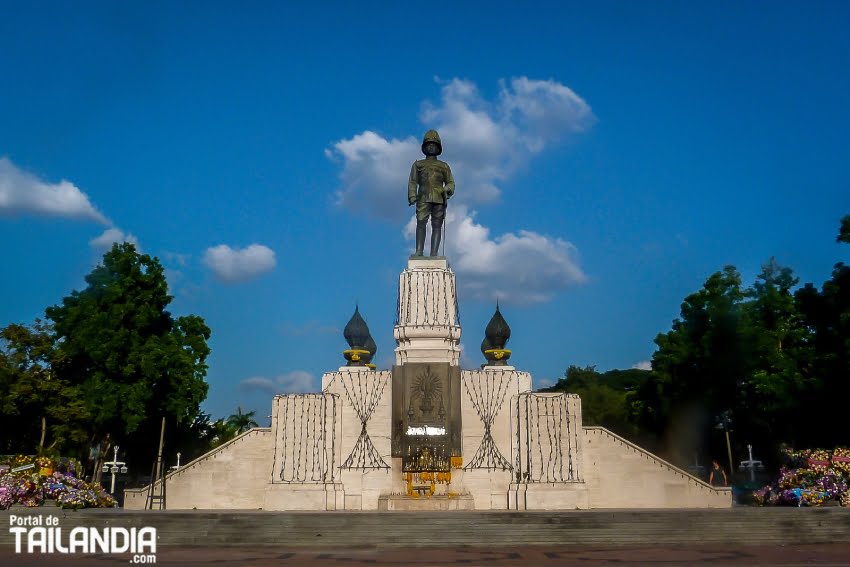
430, 186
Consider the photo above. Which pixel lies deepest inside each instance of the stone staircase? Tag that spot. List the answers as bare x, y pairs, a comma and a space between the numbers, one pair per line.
236, 473
420, 529
620, 474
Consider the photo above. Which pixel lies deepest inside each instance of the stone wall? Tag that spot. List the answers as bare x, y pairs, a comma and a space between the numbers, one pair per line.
231, 477
365, 396
619, 474
487, 399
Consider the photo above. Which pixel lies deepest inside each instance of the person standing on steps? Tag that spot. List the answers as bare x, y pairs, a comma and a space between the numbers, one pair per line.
717, 472
430, 186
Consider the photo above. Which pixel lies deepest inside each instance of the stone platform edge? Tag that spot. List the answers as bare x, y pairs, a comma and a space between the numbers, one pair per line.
401, 529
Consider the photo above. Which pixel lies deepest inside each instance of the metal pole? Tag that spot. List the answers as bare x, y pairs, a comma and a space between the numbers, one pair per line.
113, 471
159, 452
445, 222
729, 450
158, 467
752, 464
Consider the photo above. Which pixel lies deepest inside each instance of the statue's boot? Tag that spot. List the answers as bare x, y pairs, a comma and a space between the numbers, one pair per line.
420, 238
436, 236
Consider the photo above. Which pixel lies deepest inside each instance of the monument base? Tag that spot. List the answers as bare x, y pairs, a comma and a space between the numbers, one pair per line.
566, 496
438, 262
436, 503
329, 496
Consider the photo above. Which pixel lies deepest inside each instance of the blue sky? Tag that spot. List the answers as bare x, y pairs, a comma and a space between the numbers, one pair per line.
609, 156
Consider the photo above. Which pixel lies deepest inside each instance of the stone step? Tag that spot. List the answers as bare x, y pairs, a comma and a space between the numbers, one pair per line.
401, 529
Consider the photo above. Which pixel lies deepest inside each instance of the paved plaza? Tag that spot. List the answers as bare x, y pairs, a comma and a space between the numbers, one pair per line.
714, 555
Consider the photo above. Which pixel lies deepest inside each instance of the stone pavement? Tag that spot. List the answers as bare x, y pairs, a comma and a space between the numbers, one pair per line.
512, 556
741, 537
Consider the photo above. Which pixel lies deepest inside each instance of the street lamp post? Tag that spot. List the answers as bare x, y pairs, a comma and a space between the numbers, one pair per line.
114, 466
177, 466
724, 420
751, 464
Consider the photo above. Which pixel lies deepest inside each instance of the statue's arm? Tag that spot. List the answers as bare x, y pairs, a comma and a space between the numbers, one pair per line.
412, 184
450, 181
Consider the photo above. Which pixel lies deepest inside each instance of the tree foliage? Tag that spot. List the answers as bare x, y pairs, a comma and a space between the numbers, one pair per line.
844, 230
605, 397
38, 409
241, 422
128, 355
108, 366
774, 355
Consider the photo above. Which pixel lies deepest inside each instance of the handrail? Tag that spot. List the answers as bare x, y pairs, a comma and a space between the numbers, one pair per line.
657, 458
204, 457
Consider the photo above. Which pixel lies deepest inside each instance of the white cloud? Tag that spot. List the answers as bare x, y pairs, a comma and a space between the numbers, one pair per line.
544, 111
484, 142
295, 382
24, 193
523, 267
110, 236
643, 365
375, 173
237, 265
180, 260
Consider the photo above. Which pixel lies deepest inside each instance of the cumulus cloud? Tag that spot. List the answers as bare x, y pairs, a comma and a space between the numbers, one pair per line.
234, 265
643, 365
375, 173
110, 236
295, 382
522, 267
484, 142
543, 111
24, 193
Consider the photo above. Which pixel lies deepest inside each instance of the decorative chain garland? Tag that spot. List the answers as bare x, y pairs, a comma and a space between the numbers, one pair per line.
487, 391
546, 439
364, 390
436, 307
307, 450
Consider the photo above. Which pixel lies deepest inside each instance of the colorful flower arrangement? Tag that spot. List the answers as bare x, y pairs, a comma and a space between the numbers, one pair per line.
33, 487
21, 460
809, 478
841, 460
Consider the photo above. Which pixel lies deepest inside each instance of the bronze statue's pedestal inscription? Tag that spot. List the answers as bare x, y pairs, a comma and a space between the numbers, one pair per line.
426, 415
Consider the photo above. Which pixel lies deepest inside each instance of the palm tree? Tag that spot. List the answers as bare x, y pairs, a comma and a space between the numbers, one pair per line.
242, 422
220, 432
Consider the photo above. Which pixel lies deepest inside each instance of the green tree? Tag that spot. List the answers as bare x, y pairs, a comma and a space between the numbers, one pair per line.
697, 368
844, 230
132, 361
43, 411
222, 432
777, 343
604, 397
827, 313
241, 422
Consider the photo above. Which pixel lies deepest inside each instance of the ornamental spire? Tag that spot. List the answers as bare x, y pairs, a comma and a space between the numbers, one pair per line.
362, 347
496, 336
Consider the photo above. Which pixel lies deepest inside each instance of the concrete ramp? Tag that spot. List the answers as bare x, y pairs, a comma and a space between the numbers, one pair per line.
619, 474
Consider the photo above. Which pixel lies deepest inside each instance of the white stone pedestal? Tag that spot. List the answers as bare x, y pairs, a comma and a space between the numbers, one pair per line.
566, 496
393, 502
427, 329
330, 496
